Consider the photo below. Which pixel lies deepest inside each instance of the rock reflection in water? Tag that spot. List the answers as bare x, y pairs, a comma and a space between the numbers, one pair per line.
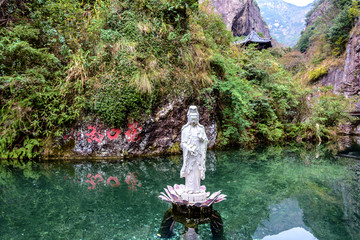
349, 147
191, 217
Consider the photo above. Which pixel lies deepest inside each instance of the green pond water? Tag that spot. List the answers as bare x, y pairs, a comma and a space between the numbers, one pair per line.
273, 193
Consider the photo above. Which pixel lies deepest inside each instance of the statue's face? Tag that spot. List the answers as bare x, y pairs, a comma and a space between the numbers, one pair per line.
193, 120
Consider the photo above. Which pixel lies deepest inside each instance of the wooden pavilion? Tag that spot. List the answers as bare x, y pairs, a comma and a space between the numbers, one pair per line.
254, 38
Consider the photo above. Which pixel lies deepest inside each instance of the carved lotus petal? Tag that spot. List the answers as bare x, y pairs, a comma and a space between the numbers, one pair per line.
172, 190
222, 196
168, 193
178, 190
206, 203
164, 195
219, 200
211, 199
174, 197
165, 199
215, 194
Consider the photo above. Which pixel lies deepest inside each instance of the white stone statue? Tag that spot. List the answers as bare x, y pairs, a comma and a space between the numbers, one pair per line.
194, 144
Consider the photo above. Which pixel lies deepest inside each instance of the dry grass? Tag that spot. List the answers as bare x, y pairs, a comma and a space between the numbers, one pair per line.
142, 82
293, 61
144, 27
77, 67
196, 60
149, 73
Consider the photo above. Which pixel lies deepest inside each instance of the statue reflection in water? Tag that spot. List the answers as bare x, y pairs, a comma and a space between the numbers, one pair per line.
191, 218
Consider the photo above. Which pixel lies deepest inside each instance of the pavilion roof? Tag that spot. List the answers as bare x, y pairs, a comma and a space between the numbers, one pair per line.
253, 37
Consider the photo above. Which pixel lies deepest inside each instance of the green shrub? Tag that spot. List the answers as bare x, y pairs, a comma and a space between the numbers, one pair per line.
239, 39
36, 100
338, 33
115, 106
258, 100
304, 40
260, 34
317, 73
330, 109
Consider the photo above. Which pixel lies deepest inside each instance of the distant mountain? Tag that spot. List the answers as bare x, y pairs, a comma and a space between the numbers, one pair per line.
285, 20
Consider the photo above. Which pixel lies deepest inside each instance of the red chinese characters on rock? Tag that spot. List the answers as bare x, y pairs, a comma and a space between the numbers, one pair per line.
132, 135
132, 180
111, 135
95, 134
72, 135
78, 136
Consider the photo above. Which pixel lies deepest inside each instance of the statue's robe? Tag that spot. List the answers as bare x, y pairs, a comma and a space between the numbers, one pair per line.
193, 169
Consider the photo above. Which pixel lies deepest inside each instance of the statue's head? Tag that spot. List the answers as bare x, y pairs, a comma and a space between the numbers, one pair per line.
193, 115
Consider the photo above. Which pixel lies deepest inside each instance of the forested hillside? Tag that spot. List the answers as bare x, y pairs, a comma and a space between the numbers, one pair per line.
329, 45
330, 21
67, 61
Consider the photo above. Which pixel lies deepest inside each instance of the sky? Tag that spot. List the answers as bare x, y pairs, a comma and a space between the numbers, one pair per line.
299, 2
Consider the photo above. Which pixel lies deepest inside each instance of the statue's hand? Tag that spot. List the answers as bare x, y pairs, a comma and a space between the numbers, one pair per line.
201, 136
193, 150
194, 153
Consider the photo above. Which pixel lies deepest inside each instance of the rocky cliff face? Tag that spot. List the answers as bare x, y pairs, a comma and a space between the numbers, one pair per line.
319, 11
160, 133
349, 83
346, 78
240, 16
343, 75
